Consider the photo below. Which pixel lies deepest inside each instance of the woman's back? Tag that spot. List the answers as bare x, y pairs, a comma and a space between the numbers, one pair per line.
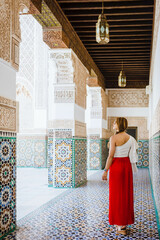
123, 144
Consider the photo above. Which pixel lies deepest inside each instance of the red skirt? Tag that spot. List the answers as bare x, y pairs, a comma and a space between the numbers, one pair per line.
121, 205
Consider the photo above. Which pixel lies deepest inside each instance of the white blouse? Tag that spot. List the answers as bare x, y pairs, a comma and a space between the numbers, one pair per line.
123, 150
128, 149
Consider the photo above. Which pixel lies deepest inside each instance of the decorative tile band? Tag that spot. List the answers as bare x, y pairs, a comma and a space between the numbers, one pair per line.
80, 161
31, 152
64, 161
7, 184
143, 153
97, 152
154, 167
67, 162
50, 161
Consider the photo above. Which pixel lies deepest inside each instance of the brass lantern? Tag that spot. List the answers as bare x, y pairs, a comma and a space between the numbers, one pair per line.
102, 28
122, 78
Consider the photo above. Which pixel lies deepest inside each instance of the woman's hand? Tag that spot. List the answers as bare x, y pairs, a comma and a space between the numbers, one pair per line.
104, 176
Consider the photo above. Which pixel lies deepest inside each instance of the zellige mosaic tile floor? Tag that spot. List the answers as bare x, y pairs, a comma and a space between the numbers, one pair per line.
82, 213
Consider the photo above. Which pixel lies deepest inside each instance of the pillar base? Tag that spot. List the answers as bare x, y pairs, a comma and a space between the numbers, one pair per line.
8, 183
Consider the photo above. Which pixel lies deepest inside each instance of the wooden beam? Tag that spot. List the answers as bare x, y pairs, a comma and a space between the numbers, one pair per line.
140, 51
91, 1
117, 34
111, 20
111, 4
128, 80
112, 26
121, 44
89, 13
37, 4
118, 30
121, 39
89, 7
118, 47
125, 65
120, 60
120, 57
119, 54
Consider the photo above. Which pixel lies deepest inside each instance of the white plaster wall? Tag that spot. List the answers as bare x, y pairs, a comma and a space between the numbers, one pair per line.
127, 111
40, 118
68, 111
104, 124
32, 78
79, 113
41, 68
94, 123
155, 95
7, 80
63, 111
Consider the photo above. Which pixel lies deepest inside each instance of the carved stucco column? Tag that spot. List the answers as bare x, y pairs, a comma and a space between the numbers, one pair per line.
10, 34
67, 154
96, 125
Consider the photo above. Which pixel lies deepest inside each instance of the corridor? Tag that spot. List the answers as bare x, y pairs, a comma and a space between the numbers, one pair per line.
68, 70
82, 213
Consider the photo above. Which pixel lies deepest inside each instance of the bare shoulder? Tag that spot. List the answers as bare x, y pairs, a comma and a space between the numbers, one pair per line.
113, 138
127, 135
121, 138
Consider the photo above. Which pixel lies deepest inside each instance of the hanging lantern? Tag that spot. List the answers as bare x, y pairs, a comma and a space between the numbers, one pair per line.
122, 78
102, 28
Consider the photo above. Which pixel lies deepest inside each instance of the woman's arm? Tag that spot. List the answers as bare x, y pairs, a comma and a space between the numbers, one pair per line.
111, 153
110, 157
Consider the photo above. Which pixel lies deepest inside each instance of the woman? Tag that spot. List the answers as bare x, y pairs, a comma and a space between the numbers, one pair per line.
121, 206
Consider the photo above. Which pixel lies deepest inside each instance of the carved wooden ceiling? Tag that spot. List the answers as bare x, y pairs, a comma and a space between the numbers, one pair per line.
130, 24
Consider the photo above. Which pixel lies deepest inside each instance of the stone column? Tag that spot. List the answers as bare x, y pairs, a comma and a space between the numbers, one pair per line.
32, 85
96, 125
67, 145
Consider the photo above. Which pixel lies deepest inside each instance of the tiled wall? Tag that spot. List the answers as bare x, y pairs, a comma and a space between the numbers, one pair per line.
143, 153
31, 152
63, 163
97, 152
80, 161
67, 162
154, 167
50, 161
7, 184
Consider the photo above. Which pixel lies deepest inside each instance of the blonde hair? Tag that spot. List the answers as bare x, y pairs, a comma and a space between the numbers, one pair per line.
122, 124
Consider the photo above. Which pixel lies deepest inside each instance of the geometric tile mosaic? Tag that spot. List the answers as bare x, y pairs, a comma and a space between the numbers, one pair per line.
82, 213
69, 162
50, 161
80, 161
96, 153
143, 153
63, 163
31, 153
154, 167
7, 184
